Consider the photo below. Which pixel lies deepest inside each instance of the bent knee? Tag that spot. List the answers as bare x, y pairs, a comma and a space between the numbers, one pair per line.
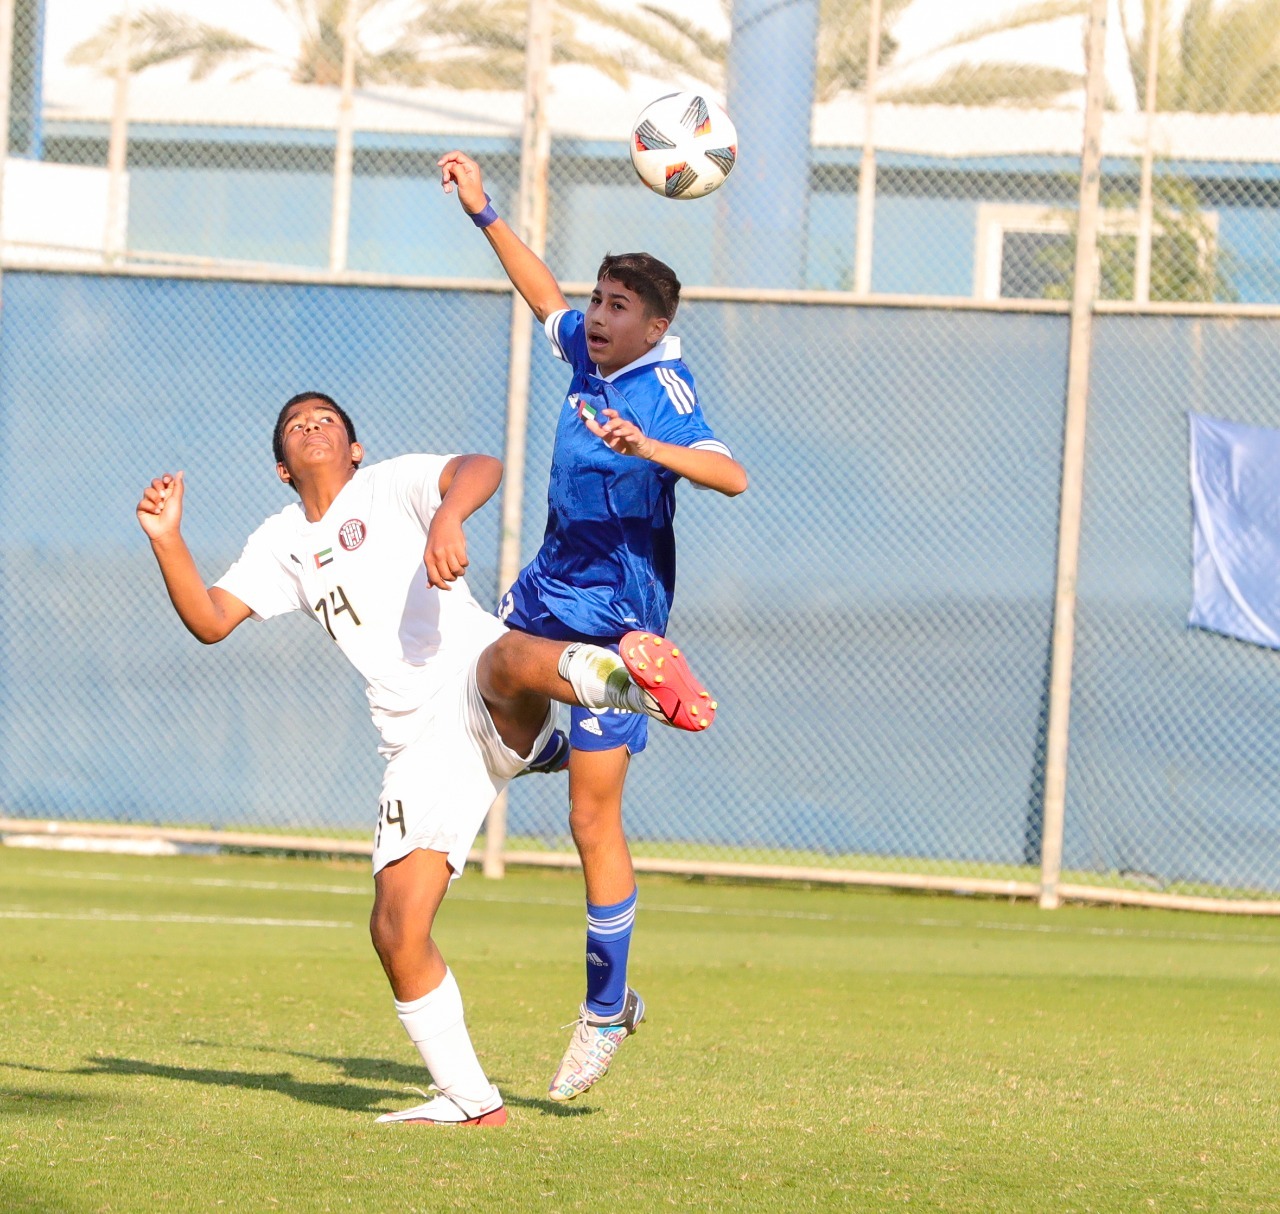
496, 671
595, 819
391, 937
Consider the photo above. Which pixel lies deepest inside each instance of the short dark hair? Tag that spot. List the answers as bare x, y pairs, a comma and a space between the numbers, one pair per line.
277, 435
652, 280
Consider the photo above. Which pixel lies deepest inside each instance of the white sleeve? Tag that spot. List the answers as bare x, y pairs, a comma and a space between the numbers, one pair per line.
552, 329
262, 578
417, 484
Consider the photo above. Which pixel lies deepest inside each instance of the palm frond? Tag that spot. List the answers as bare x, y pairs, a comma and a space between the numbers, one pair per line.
708, 45
159, 36
1027, 85
1041, 13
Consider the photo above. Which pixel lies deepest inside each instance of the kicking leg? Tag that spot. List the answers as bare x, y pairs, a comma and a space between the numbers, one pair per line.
407, 894
519, 673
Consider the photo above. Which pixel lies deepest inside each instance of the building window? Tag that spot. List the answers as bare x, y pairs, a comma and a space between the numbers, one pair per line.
1025, 252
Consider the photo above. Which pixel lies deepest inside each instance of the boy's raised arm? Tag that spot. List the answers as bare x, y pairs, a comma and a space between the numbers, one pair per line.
528, 273
208, 614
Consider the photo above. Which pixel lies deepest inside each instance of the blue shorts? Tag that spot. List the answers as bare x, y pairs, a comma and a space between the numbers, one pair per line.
588, 730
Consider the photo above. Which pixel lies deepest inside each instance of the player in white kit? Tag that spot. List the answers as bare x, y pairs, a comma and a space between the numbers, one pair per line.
461, 702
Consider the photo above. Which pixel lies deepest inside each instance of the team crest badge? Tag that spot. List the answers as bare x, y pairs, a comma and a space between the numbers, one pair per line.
351, 534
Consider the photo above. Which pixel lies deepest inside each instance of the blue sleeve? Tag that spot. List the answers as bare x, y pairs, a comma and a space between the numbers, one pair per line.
566, 331
676, 416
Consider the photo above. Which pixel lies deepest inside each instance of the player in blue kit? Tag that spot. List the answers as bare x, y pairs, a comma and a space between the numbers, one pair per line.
630, 427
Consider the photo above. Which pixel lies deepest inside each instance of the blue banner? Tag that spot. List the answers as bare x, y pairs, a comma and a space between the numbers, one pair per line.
1235, 496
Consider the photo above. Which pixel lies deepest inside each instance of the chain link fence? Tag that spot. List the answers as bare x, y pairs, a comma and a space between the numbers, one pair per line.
877, 315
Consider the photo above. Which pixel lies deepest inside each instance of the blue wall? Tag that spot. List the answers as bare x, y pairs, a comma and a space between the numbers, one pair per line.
873, 614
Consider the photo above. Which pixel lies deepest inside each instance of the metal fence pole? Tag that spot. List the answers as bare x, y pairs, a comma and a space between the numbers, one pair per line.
114, 238
344, 152
1072, 498
1146, 203
531, 223
867, 166
6, 81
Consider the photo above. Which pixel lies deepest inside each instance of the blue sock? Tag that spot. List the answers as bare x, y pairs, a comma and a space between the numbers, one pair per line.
608, 943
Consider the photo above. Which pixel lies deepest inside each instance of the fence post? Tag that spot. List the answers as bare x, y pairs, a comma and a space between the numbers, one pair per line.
864, 242
113, 239
531, 224
1080, 350
6, 83
344, 149
1146, 204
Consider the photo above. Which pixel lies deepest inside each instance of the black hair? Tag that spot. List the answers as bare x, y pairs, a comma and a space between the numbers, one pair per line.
277, 435
652, 280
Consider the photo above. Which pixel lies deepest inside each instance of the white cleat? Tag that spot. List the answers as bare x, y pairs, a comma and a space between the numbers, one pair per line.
593, 1046
448, 1110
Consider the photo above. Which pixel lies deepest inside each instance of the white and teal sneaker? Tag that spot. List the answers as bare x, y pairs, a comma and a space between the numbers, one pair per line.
592, 1047
445, 1110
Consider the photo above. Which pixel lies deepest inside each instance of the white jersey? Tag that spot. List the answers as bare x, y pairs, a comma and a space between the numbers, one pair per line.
359, 573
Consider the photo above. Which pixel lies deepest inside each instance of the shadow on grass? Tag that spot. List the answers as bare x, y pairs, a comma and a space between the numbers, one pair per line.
16, 1194
412, 1078
342, 1093
29, 1100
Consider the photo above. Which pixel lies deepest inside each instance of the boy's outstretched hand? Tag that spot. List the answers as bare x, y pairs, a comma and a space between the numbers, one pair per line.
160, 510
621, 435
458, 170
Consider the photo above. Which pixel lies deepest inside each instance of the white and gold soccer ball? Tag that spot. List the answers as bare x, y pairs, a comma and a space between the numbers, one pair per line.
683, 145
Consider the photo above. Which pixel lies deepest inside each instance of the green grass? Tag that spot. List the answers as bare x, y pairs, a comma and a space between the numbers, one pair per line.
961, 871
806, 1049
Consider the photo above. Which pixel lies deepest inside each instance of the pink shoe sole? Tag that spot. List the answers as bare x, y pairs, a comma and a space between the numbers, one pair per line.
662, 670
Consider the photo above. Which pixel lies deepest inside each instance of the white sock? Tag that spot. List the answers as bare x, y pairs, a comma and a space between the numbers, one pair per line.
436, 1026
600, 681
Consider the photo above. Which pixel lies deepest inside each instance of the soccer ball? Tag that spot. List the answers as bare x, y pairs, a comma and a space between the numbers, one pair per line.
683, 145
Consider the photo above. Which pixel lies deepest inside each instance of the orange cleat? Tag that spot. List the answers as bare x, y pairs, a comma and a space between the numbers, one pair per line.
659, 669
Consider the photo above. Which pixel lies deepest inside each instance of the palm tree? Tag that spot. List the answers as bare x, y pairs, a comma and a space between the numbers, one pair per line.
464, 44
997, 83
841, 47
1224, 59
1221, 58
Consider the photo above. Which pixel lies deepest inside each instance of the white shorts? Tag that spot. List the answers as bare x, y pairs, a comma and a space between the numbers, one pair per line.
439, 786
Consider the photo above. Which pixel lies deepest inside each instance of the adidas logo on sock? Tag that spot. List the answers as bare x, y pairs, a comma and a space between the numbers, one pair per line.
595, 959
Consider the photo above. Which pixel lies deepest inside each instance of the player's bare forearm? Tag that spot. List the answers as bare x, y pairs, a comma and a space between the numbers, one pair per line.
528, 274
209, 614
711, 469
466, 483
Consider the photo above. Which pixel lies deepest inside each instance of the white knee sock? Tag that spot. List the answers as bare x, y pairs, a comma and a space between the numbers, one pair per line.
436, 1026
600, 681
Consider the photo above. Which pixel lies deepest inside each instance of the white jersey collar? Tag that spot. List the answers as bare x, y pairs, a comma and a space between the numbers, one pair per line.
667, 350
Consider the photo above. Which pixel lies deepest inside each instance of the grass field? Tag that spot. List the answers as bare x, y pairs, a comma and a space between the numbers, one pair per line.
198, 1033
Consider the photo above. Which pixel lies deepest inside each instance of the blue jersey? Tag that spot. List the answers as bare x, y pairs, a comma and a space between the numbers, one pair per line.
608, 558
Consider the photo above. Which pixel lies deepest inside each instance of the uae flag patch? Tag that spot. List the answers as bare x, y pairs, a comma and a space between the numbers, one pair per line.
323, 558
